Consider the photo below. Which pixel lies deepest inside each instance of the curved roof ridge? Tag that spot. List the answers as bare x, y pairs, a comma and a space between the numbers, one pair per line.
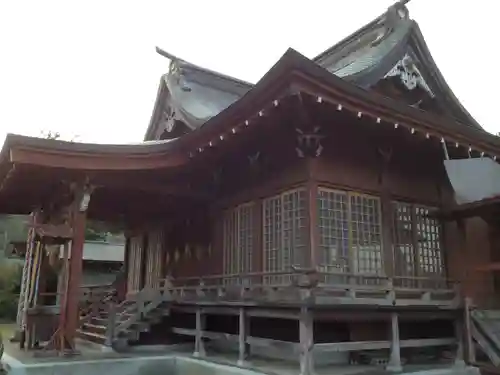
12, 140
185, 63
419, 38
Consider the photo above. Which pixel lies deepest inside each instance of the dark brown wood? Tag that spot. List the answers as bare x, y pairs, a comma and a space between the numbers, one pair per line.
312, 200
75, 274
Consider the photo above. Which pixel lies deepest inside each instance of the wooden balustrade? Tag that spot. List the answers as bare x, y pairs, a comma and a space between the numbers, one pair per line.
320, 288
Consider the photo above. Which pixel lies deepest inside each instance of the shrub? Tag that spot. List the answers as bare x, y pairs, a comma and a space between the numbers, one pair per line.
10, 285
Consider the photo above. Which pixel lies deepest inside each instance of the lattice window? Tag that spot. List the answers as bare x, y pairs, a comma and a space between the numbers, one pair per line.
366, 234
416, 245
284, 233
402, 243
350, 232
238, 242
333, 229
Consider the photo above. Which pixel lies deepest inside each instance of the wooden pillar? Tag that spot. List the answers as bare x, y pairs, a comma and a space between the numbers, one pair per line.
387, 213
312, 200
306, 342
74, 276
199, 347
394, 364
242, 337
387, 230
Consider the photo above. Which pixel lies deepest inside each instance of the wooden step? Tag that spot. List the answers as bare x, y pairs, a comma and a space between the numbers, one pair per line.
91, 336
94, 328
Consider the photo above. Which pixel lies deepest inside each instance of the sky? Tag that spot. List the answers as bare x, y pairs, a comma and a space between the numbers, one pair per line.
89, 70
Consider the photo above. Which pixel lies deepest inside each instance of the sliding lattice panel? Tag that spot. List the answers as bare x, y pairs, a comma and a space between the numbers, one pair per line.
284, 234
417, 247
238, 242
350, 235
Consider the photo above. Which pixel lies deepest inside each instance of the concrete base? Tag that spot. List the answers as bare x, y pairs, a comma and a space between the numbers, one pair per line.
182, 365
148, 365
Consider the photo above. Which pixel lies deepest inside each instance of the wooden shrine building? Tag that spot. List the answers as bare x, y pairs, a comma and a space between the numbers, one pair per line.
293, 216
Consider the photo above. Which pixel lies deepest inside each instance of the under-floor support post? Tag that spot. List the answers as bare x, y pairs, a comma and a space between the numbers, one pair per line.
199, 347
242, 338
459, 334
306, 341
471, 351
394, 364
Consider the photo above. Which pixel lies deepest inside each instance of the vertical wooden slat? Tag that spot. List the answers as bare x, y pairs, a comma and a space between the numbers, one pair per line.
142, 264
416, 248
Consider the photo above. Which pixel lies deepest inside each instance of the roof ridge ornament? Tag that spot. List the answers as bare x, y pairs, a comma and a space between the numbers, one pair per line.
399, 9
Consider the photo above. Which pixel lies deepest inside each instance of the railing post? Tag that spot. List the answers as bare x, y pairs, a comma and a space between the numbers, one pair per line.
111, 325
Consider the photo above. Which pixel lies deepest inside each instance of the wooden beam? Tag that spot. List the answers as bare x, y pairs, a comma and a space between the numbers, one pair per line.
349, 346
152, 187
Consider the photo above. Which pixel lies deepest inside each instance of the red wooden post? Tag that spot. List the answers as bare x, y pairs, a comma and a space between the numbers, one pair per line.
74, 277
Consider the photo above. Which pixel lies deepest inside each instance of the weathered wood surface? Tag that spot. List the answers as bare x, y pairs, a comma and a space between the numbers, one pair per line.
318, 347
305, 288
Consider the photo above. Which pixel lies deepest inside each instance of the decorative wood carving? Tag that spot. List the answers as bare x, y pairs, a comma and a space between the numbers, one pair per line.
386, 157
309, 142
254, 161
85, 199
409, 74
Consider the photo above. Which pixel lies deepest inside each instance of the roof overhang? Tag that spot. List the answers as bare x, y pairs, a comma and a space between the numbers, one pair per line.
90, 157
291, 75
295, 73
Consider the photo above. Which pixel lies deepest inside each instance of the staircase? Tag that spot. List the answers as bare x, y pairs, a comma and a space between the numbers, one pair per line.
109, 324
485, 330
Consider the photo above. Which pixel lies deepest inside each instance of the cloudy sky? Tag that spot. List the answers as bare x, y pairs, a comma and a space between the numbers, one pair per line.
89, 68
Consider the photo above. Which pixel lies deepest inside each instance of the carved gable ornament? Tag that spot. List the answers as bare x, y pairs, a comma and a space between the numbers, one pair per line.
409, 74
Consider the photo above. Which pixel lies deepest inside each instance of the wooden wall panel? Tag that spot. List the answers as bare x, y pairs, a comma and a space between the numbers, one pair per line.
463, 258
153, 258
134, 277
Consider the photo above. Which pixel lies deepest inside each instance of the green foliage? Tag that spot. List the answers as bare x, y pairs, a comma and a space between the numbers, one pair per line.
92, 234
10, 287
12, 228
